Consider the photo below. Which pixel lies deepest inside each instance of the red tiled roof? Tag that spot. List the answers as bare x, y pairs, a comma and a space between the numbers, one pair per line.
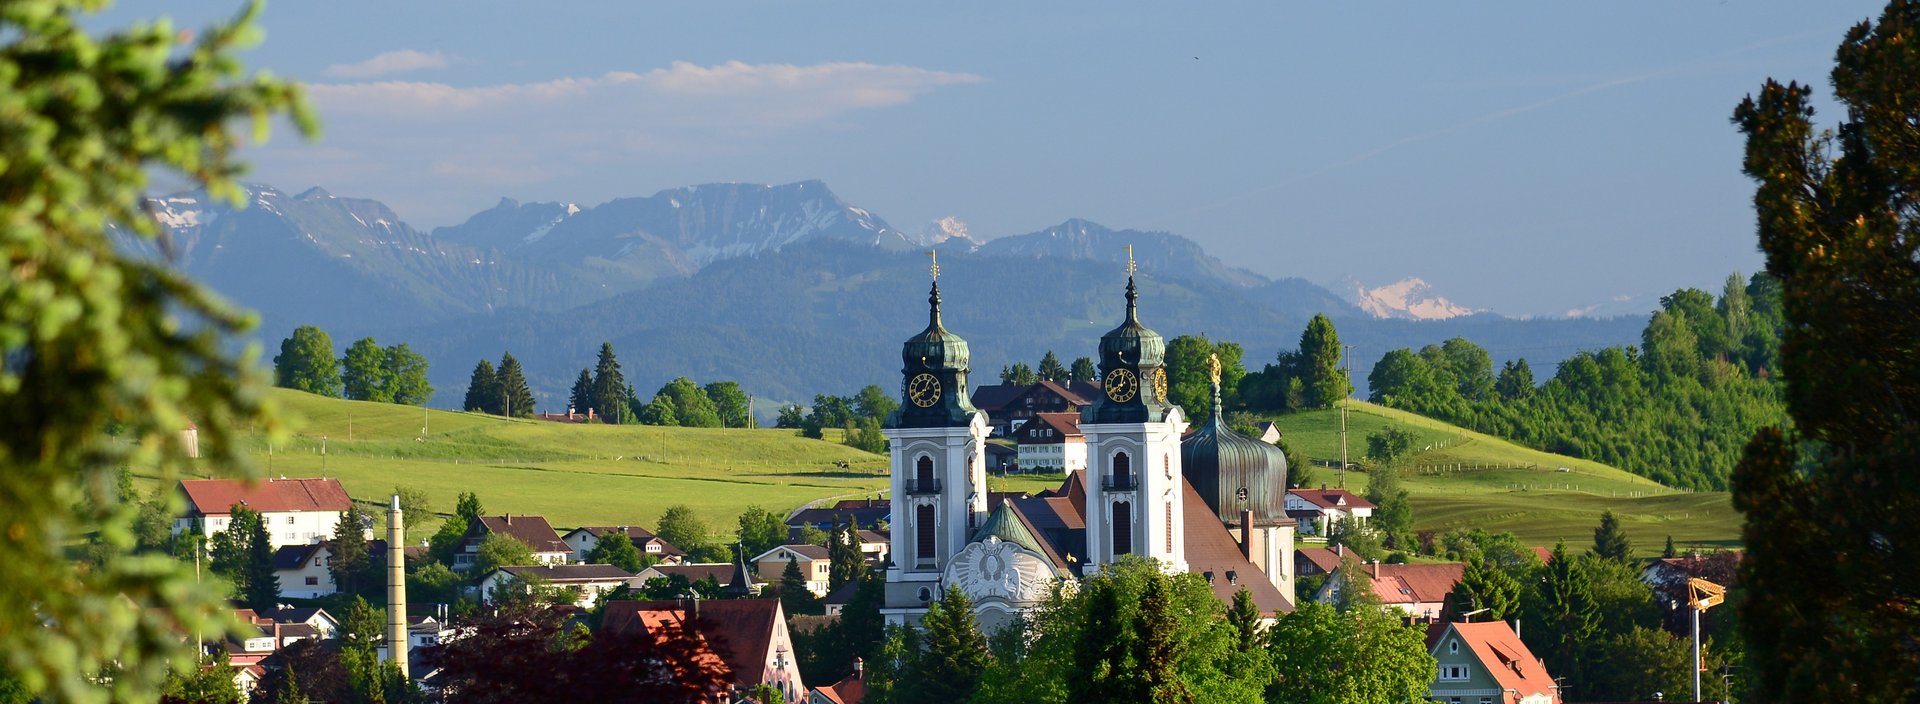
1331, 498
739, 630
851, 690
1064, 425
658, 618
1545, 555
532, 530
1414, 583
1500, 651
1210, 548
1324, 558
216, 497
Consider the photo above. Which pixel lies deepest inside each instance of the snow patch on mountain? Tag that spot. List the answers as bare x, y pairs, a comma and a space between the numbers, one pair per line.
1410, 298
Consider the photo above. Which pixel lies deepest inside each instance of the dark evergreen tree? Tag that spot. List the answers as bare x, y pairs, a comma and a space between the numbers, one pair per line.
1245, 617
483, 390
467, 508
1051, 369
1610, 541
794, 595
1157, 647
609, 386
1516, 380
1562, 618
1100, 657
1484, 586
1669, 552
517, 396
1083, 370
262, 590
580, 398
848, 564
954, 652
350, 560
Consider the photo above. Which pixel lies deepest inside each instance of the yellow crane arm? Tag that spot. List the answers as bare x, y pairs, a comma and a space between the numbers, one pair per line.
1705, 595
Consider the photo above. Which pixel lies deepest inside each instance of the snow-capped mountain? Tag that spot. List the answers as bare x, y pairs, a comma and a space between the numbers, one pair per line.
1410, 298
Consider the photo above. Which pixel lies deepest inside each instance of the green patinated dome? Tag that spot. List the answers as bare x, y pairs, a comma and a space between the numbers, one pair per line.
1219, 463
1132, 344
934, 348
1007, 527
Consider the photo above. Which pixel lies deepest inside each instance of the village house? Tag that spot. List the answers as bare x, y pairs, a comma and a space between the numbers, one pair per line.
1309, 562
1009, 405
304, 570
585, 538
874, 545
868, 512
548, 548
749, 635
295, 511
322, 622
1318, 510
1485, 663
813, 561
587, 582
1418, 590
1051, 442
851, 689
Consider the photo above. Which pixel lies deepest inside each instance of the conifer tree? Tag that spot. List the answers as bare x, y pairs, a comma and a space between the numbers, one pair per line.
609, 388
1567, 615
1245, 617
794, 595
1083, 370
954, 653
1669, 551
1156, 676
581, 397
467, 508
1484, 586
351, 558
1609, 541
1324, 382
483, 390
1050, 368
262, 590
513, 385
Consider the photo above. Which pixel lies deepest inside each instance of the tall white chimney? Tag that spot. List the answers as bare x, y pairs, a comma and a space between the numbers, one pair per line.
396, 587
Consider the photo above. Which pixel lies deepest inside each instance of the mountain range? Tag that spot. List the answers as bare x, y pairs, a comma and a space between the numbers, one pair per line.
787, 289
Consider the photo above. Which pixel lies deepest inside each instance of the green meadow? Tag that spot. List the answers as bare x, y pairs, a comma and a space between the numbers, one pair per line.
587, 474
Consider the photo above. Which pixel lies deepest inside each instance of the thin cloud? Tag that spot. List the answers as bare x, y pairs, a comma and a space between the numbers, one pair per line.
390, 62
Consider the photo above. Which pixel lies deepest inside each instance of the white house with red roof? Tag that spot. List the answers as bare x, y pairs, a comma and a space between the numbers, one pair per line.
1420, 590
534, 531
749, 636
296, 511
1318, 510
1485, 663
1051, 442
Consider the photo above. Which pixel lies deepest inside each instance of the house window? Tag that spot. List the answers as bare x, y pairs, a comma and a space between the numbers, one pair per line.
313, 581
289, 520
1453, 672
1123, 528
1453, 646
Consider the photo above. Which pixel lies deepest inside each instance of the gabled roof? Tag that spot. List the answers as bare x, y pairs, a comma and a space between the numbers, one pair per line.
739, 630
874, 536
639, 536
1413, 583
1210, 548
293, 557
1324, 558
993, 397
1078, 393
216, 497
1064, 425
1503, 656
568, 573
1332, 498
532, 530
805, 550
851, 690
300, 615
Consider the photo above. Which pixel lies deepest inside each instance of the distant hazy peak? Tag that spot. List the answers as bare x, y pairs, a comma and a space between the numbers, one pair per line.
1409, 298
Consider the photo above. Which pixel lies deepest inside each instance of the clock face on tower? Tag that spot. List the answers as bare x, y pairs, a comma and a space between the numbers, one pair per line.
1160, 385
1122, 385
923, 390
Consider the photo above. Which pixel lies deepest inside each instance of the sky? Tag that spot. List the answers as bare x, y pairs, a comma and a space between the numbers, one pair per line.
1530, 158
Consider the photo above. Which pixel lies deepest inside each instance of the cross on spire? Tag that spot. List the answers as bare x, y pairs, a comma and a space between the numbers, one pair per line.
1130, 267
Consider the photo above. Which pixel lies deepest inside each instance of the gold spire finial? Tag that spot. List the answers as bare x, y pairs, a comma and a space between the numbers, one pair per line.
1130, 267
1213, 367
936, 263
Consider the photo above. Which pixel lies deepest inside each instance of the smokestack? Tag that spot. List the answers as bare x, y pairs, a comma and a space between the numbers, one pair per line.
1376, 569
396, 587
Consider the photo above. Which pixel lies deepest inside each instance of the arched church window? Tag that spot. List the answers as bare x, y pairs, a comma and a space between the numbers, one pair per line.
923, 472
1123, 528
1123, 471
923, 550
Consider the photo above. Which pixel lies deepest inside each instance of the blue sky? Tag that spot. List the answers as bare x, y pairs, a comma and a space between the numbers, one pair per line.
1526, 157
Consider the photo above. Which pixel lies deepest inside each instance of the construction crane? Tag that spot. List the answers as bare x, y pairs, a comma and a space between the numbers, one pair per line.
1701, 595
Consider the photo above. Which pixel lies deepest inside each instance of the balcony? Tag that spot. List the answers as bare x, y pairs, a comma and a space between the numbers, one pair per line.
922, 487
1122, 482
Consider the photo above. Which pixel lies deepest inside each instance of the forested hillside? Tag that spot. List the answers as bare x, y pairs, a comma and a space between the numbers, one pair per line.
1678, 408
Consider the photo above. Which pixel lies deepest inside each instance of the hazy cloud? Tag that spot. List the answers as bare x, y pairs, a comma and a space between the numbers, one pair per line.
390, 62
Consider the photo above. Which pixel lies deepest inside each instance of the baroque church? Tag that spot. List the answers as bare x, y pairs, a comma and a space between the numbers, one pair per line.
1205, 500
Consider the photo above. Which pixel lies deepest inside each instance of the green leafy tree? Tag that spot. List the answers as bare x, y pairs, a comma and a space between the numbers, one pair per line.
1189, 376
682, 527
874, 403
350, 559
208, 681
794, 595
690, 405
660, 411
1364, 656
615, 548
1633, 666
580, 397
1050, 368
1830, 614
1323, 380
306, 363
406, 372
1083, 370
730, 402
1389, 445
445, 542
760, 530
1610, 541
499, 550
1393, 506
517, 396
791, 416
1018, 374
415, 510
1352, 590
363, 372
483, 390
865, 434
434, 583
1485, 586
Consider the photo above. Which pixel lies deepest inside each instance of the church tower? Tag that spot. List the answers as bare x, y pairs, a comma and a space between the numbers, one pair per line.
938, 461
1133, 477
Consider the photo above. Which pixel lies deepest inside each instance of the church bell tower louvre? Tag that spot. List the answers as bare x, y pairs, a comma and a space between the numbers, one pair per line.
937, 444
1133, 482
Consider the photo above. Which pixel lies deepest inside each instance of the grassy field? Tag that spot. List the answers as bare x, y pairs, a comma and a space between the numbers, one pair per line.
599, 474
572, 474
1463, 479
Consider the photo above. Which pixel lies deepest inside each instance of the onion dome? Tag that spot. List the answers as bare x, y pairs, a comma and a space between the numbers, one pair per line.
1133, 377
1132, 344
1221, 464
933, 375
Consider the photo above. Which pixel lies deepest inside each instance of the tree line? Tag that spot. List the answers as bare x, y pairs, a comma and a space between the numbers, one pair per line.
367, 372
1677, 409
603, 391
859, 417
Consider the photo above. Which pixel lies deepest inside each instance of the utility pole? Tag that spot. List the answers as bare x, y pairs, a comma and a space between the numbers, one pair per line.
1346, 358
1702, 595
